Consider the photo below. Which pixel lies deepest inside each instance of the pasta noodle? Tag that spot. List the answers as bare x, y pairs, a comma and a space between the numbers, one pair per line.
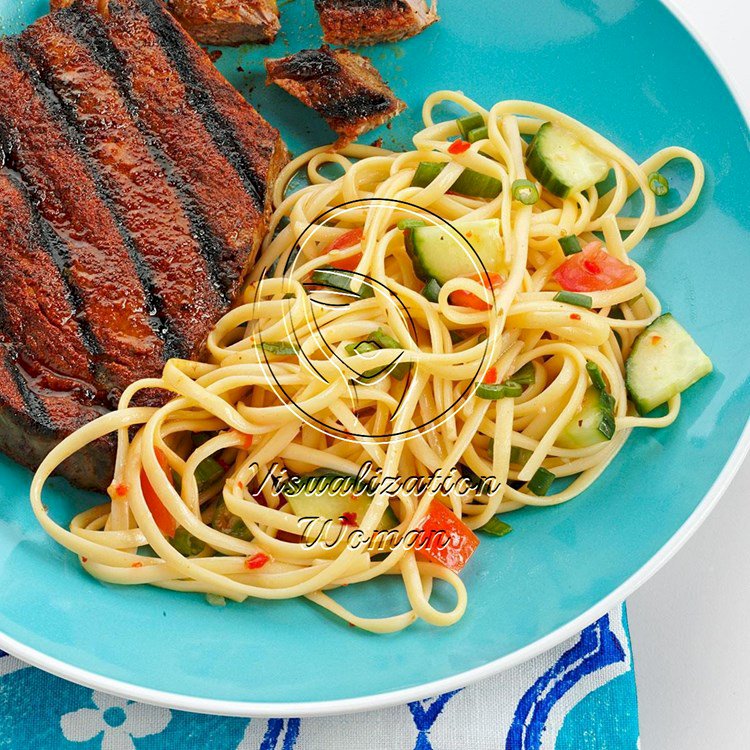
254, 409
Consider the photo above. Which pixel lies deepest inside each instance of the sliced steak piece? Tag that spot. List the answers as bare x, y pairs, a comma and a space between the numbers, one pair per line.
133, 175
359, 22
104, 267
219, 22
39, 304
222, 152
134, 192
342, 87
228, 22
37, 409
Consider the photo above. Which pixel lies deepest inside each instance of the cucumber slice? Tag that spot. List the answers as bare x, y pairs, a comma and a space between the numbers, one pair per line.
593, 424
663, 362
438, 254
563, 164
330, 496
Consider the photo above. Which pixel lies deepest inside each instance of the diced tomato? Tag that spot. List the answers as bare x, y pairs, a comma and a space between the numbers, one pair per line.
348, 519
593, 270
491, 376
467, 299
458, 147
440, 525
258, 560
164, 520
348, 239
347, 264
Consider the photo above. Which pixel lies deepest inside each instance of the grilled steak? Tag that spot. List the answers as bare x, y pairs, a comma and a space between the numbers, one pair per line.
229, 22
221, 22
342, 87
134, 193
358, 22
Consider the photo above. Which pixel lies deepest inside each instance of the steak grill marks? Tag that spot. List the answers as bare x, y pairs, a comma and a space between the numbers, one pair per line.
199, 98
85, 28
40, 234
33, 405
64, 117
164, 105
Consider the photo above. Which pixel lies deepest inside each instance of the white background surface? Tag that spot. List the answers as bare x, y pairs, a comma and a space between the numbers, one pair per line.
690, 624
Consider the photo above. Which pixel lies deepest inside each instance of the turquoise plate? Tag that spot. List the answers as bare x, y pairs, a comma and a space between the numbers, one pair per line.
630, 70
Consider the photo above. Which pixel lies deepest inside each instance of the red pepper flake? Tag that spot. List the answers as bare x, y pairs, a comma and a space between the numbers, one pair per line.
240, 485
246, 440
121, 490
575, 316
591, 266
84, 559
348, 519
655, 340
458, 147
351, 624
258, 560
137, 565
491, 377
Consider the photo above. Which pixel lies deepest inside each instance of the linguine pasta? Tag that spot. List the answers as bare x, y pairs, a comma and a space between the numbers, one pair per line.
260, 407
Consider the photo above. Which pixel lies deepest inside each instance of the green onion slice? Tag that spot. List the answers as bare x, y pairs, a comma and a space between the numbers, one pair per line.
478, 134
658, 184
185, 543
518, 456
207, 472
570, 245
469, 122
337, 279
470, 183
574, 298
542, 480
431, 290
525, 191
496, 527
495, 391
361, 347
596, 376
526, 375
607, 425
280, 348
384, 340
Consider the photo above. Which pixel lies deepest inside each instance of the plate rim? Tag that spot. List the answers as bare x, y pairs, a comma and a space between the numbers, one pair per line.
340, 706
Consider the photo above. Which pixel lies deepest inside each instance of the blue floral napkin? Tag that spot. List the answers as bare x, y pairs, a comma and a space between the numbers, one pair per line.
577, 696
